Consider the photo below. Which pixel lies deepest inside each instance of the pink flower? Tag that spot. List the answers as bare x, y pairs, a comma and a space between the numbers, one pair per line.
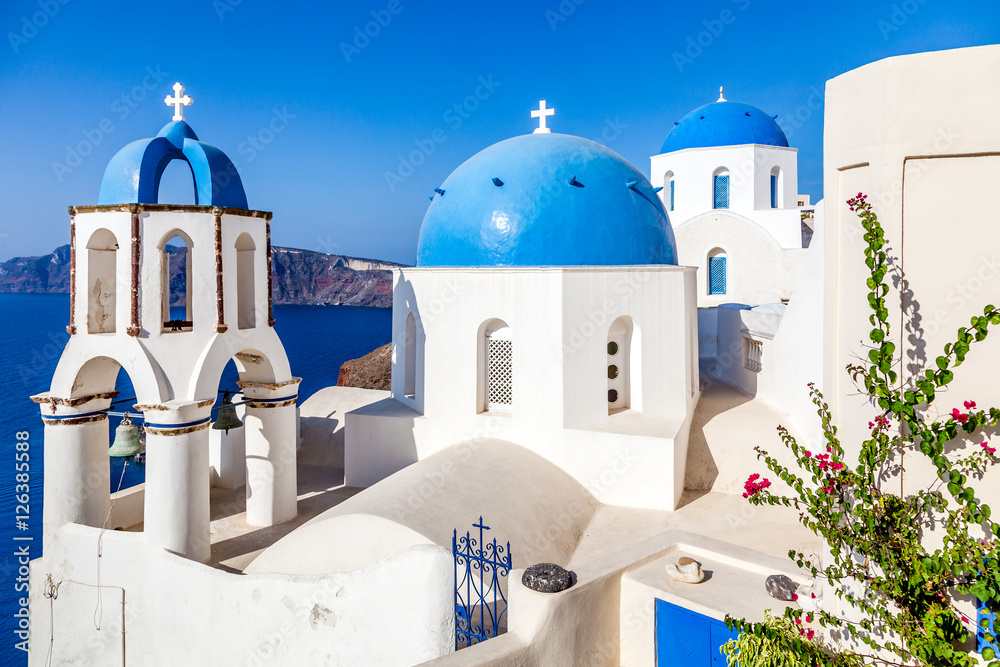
808, 454
960, 417
795, 596
970, 405
752, 487
810, 634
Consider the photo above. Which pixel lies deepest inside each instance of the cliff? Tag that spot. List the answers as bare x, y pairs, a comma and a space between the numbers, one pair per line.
372, 371
297, 277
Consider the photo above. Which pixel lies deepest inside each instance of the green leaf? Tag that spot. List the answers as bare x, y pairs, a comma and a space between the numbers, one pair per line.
989, 653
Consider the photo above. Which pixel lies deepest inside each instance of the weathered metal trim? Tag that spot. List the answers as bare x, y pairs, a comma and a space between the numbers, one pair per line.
190, 208
73, 401
270, 294
134, 329
71, 421
71, 329
257, 384
177, 431
220, 303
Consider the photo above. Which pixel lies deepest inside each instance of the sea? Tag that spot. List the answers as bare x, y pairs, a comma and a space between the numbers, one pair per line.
317, 339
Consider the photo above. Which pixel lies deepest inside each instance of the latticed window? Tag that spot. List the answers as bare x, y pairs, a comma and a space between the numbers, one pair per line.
500, 374
774, 191
722, 191
717, 275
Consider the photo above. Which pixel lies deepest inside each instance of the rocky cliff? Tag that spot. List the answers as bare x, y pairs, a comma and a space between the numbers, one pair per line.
372, 371
297, 277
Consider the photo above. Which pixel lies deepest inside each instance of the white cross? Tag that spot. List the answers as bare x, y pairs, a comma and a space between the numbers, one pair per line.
541, 114
721, 98
176, 101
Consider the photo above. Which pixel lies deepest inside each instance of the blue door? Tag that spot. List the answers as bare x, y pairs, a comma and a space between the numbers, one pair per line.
687, 639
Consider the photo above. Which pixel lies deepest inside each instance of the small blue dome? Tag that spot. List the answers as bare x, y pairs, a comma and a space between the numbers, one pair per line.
546, 200
133, 174
724, 124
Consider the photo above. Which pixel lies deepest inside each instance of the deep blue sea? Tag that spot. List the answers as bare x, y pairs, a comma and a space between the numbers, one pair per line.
317, 339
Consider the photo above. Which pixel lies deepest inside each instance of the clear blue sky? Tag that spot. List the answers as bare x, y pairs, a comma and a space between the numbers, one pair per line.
345, 119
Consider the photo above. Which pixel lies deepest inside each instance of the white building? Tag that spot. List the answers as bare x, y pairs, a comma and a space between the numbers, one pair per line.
545, 381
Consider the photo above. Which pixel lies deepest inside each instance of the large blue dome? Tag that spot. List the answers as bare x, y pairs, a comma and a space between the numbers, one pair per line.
546, 200
724, 124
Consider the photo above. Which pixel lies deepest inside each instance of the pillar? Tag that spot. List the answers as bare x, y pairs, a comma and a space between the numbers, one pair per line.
77, 486
271, 426
176, 513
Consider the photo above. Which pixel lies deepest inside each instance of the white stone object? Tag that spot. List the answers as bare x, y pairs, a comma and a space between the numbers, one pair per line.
689, 573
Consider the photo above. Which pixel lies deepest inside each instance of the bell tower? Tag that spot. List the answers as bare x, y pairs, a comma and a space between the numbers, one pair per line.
172, 325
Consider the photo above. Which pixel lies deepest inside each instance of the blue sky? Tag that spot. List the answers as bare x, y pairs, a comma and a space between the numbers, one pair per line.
316, 113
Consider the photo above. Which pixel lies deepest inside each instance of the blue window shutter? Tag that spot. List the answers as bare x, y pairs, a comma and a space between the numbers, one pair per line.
722, 191
717, 275
671, 194
774, 191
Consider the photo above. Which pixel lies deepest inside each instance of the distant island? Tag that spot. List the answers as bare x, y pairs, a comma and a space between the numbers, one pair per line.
298, 277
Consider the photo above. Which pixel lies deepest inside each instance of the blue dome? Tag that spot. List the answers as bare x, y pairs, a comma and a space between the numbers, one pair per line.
133, 174
724, 124
546, 200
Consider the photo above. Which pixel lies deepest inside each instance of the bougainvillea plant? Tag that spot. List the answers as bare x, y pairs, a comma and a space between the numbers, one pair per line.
898, 562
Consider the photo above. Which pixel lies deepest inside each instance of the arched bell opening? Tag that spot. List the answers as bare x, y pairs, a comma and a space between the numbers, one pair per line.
176, 260
106, 456
176, 184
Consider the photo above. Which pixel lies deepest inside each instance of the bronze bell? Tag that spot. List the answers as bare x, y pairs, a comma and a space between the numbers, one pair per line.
126, 439
227, 418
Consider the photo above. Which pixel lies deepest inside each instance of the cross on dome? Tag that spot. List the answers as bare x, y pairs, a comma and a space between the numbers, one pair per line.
541, 113
177, 102
721, 98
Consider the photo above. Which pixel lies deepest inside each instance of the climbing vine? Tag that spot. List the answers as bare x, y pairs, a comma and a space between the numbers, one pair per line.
898, 562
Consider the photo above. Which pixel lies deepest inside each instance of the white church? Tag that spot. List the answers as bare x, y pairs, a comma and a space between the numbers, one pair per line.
583, 361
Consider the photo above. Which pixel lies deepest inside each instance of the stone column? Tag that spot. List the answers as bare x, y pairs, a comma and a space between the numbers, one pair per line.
77, 472
270, 423
176, 512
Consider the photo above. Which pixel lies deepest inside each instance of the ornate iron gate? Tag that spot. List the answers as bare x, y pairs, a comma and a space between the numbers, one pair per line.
480, 602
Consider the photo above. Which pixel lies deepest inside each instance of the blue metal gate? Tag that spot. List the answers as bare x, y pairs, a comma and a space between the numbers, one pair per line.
480, 602
686, 639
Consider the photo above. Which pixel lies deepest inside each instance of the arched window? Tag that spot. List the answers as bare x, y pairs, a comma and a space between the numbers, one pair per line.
246, 302
410, 357
775, 187
624, 366
668, 181
720, 184
175, 279
496, 368
102, 281
717, 271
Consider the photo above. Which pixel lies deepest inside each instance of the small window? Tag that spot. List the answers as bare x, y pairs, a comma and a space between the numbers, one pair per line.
774, 191
717, 274
410, 357
497, 370
722, 190
671, 194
